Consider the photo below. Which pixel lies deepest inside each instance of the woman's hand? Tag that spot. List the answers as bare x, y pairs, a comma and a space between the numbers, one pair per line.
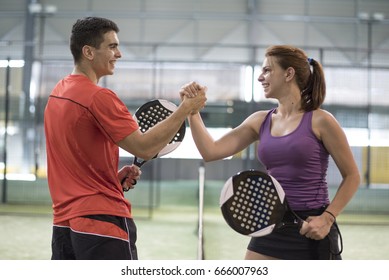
191, 90
317, 227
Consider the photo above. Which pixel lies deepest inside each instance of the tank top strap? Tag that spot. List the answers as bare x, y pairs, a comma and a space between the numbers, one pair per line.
265, 126
306, 121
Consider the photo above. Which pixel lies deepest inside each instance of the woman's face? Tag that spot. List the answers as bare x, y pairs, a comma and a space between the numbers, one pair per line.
272, 77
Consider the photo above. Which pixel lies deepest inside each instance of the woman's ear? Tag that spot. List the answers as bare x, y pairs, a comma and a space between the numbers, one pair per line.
289, 73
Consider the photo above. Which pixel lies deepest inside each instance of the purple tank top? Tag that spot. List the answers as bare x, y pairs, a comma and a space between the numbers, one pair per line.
298, 161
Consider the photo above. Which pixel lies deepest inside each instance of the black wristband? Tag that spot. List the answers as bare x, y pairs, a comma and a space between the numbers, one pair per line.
331, 214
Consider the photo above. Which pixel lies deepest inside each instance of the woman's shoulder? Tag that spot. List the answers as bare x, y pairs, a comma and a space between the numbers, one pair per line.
321, 115
259, 116
323, 120
256, 119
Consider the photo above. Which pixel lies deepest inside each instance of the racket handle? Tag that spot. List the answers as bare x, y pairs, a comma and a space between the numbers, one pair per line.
300, 223
138, 162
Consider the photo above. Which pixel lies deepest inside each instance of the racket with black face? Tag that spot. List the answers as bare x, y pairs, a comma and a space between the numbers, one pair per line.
151, 113
253, 203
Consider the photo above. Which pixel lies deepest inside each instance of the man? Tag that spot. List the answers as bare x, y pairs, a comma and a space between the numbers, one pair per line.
85, 125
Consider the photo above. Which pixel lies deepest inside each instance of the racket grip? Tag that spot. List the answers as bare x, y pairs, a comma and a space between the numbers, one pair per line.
300, 223
138, 162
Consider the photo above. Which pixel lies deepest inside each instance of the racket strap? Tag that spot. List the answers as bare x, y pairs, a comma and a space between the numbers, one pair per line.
340, 243
335, 249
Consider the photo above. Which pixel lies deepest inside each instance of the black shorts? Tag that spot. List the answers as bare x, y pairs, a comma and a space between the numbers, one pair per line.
288, 244
95, 237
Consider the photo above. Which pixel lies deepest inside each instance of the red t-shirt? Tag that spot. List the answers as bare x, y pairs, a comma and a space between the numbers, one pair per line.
83, 123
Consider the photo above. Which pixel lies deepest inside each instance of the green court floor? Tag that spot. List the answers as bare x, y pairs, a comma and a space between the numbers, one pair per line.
171, 233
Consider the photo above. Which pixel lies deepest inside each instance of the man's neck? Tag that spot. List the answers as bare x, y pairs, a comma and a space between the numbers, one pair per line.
79, 70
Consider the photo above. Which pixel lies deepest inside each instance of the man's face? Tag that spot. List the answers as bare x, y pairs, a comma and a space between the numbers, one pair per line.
106, 55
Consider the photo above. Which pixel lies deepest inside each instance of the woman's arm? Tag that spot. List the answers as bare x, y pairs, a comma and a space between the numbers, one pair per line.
229, 144
335, 141
328, 130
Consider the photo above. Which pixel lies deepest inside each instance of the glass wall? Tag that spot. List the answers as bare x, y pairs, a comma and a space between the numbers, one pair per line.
356, 95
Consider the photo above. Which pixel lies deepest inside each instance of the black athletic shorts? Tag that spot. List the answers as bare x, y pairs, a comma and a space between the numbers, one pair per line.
95, 237
288, 244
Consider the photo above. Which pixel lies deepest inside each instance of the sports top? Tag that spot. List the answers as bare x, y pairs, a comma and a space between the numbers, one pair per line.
83, 122
298, 161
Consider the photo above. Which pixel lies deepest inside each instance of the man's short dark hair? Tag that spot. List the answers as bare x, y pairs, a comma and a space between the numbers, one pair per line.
89, 31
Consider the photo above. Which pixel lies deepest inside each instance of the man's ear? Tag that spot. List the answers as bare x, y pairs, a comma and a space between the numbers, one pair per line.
88, 52
289, 73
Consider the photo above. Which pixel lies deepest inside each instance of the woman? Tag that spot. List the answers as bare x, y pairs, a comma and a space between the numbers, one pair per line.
295, 140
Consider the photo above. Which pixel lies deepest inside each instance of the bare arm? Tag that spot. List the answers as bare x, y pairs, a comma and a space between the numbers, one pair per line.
229, 144
335, 141
147, 145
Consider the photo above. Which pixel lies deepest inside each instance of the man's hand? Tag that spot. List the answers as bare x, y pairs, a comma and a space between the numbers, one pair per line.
193, 90
129, 176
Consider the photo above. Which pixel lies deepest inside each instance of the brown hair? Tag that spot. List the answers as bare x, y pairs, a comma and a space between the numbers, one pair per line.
311, 83
89, 31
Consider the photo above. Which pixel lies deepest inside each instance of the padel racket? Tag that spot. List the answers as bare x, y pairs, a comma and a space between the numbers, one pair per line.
253, 203
151, 113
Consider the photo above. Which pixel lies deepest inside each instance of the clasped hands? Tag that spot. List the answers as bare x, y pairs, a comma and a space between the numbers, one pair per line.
191, 90
130, 174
